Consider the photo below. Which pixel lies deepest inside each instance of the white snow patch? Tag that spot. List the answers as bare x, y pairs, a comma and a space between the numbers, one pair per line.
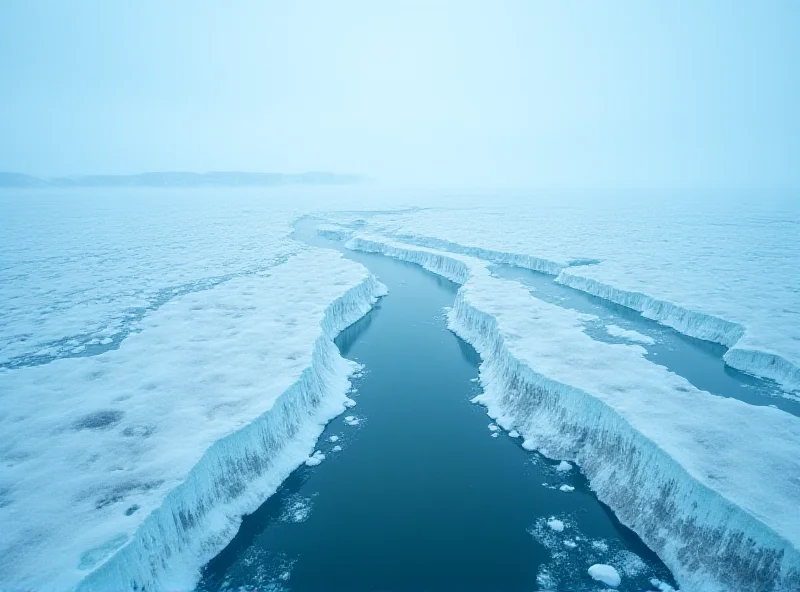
513, 434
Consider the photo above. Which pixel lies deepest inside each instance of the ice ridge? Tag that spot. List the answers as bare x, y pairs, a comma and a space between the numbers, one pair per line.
752, 360
720, 519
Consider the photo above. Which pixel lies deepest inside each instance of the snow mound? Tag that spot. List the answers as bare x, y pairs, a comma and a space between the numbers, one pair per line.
107, 481
606, 574
671, 460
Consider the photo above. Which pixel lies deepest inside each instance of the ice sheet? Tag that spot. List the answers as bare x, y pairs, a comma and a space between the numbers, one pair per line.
134, 466
723, 270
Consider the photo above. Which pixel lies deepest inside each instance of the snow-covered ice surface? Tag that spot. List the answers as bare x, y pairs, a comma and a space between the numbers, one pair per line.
81, 272
723, 270
132, 468
710, 483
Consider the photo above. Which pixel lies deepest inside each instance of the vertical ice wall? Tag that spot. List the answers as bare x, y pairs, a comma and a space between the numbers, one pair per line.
132, 469
709, 483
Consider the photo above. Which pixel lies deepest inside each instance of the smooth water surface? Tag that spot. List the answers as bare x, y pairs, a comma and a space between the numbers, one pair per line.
423, 495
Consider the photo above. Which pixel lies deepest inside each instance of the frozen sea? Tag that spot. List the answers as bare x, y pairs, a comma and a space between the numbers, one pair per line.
167, 362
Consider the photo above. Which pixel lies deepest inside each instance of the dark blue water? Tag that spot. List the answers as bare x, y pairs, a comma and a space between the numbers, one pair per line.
700, 362
421, 496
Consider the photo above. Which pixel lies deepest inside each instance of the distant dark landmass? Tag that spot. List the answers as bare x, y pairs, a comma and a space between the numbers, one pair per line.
177, 179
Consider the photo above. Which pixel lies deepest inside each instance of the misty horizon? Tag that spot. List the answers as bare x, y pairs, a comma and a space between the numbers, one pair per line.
443, 93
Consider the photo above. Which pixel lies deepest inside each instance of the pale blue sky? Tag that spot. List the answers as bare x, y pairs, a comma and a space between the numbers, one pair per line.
567, 94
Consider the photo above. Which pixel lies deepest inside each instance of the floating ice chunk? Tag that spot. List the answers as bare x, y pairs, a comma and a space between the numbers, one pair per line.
494, 435
555, 524
600, 545
570, 544
78, 349
315, 459
106, 341
606, 574
352, 420
567, 488
336, 448
563, 467
493, 427
349, 403
513, 434
333, 438
635, 336
528, 445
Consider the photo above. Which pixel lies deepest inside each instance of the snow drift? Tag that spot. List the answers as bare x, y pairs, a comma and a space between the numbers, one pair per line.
708, 482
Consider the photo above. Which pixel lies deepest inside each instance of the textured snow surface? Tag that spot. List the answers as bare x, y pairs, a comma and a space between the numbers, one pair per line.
710, 483
82, 272
134, 466
726, 271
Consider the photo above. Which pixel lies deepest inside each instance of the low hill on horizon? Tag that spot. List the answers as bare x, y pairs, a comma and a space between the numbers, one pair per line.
180, 179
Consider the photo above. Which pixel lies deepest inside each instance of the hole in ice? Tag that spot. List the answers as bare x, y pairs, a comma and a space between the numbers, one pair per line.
98, 420
131, 510
138, 431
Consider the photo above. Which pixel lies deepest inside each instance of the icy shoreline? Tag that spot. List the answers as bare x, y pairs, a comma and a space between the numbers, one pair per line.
695, 324
236, 475
204, 413
754, 325
681, 504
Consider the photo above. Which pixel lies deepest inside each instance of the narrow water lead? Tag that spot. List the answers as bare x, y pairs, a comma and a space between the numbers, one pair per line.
700, 362
423, 495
